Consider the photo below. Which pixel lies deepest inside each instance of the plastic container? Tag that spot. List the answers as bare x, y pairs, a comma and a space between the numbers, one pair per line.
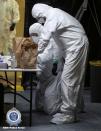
3, 65
13, 62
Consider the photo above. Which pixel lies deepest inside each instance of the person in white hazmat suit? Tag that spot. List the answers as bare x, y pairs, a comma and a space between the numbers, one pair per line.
9, 16
48, 94
70, 36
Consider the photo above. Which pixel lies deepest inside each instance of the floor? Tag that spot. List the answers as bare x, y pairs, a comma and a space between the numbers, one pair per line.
89, 121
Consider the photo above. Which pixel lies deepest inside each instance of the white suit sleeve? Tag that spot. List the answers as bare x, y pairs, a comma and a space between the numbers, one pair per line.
42, 44
49, 28
15, 11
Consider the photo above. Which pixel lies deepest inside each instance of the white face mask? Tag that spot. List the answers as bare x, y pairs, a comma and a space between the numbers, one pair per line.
41, 20
35, 32
35, 39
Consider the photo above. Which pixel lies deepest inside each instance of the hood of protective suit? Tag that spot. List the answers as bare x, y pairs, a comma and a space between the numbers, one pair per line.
35, 28
40, 10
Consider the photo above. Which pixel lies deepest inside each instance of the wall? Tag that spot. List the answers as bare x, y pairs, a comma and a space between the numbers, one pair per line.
20, 25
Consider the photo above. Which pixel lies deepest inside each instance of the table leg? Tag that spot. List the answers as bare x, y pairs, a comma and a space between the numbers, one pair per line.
15, 89
6, 77
1, 104
31, 95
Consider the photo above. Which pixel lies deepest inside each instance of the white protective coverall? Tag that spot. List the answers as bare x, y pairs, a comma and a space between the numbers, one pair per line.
48, 94
9, 16
70, 36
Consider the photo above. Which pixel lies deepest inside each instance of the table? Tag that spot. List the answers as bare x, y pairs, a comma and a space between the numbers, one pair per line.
15, 80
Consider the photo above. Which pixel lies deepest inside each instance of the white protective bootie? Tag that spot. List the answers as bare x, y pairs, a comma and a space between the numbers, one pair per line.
60, 118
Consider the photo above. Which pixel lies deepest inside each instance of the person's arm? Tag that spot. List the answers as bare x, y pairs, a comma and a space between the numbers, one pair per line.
49, 28
15, 14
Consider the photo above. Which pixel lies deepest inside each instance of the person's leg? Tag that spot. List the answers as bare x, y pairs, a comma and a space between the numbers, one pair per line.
25, 81
70, 86
80, 101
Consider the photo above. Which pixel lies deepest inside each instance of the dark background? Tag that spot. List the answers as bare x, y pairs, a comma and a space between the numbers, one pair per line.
89, 20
